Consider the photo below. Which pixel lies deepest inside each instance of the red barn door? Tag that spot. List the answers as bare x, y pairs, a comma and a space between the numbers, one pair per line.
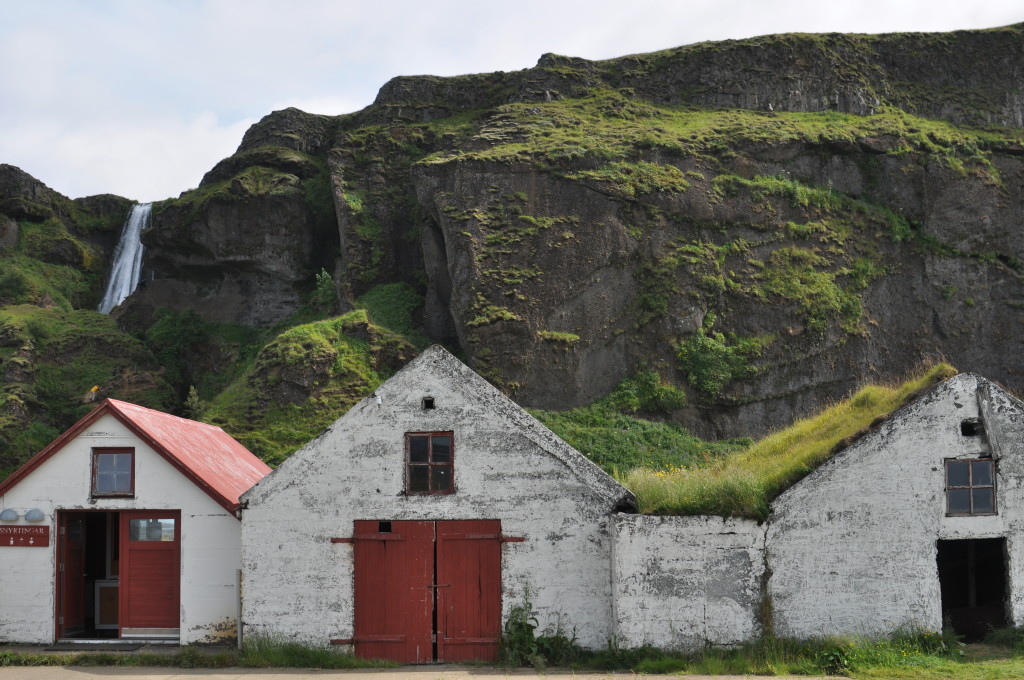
394, 602
427, 591
468, 590
71, 570
150, 572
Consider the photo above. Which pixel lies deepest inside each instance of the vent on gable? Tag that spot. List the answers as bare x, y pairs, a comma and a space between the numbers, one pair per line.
971, 427
428, 403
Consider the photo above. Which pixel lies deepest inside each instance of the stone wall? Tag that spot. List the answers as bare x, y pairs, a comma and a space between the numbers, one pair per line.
686, 582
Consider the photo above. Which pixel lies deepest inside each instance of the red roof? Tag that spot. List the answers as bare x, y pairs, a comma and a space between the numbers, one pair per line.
206, 454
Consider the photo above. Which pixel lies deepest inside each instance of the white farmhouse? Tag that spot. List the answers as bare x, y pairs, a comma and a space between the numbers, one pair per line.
125, 526
414, 525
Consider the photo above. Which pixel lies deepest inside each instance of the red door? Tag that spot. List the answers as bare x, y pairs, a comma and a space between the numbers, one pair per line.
394, 600
427, 591
468, 590
71, 571
150, 572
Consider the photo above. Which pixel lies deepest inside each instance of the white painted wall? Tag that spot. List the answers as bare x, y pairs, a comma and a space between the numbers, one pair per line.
683, 583
210, 537
852, 548
507, 467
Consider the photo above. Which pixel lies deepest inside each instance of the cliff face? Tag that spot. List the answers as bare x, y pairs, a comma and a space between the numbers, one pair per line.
764, 223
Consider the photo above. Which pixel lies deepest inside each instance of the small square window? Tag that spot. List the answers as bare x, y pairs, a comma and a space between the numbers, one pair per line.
970, 487
429, 463
113, 472
428, 403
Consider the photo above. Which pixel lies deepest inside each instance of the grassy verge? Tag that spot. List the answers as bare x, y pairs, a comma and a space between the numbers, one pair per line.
258, 652
742, 485
905, 654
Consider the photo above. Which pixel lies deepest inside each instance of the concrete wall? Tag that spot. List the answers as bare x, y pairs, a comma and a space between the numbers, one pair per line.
686, 582
210, 537
507, 467
852, 548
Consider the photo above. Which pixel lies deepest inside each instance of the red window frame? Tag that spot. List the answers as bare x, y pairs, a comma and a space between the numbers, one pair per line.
434, 468
96, 453
971, 486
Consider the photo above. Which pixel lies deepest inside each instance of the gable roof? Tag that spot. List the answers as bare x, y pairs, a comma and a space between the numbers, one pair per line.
207, 455
439, 361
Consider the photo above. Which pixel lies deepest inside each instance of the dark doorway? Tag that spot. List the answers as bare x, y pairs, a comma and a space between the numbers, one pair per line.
972, 579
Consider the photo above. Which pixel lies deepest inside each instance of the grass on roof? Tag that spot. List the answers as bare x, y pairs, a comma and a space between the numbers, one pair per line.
743, 484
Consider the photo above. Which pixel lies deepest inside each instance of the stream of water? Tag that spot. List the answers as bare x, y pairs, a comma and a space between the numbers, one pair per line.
124, 273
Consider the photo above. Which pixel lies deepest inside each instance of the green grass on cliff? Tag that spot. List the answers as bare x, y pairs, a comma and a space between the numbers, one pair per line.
49, 358
305, 379
610, 433
743, 484
608, 126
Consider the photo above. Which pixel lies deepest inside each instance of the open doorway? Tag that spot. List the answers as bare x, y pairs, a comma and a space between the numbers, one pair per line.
118, 574
972, 579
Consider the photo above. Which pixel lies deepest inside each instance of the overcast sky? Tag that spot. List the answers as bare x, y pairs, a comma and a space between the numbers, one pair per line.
141, 97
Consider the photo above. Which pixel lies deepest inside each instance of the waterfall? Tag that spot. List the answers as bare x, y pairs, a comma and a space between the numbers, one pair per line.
124, 273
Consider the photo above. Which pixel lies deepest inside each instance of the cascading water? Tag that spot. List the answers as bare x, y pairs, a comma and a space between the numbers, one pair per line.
124, 274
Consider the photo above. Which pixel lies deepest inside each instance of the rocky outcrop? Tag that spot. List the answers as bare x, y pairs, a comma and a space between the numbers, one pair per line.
574, 223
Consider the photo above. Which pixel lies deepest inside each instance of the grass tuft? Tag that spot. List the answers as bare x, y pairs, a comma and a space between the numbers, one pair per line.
743, 484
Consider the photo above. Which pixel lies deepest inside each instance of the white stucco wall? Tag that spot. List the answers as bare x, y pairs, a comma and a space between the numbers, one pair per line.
210, 537
852, 548
684, 583
297, 584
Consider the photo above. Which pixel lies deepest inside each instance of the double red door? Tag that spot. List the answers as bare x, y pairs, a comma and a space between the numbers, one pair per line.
139, 551
428, 591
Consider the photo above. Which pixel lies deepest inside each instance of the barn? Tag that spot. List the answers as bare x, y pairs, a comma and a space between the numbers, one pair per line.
126, 526
914, 524
415, 524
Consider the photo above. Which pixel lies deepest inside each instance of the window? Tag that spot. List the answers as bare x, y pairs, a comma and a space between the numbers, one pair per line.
113, 472
970, 487
428, 463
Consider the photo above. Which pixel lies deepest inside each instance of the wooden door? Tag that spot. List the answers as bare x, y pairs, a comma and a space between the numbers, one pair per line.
468, 590
427, 591
71, 574
394, 597
150, 572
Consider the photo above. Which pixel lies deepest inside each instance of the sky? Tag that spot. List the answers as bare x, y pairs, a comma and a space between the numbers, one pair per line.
140, 98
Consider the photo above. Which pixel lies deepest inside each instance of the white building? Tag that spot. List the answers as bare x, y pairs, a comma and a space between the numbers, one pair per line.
417, 521
125, 526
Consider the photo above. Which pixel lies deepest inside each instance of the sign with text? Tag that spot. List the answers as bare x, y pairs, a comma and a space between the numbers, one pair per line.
28, 537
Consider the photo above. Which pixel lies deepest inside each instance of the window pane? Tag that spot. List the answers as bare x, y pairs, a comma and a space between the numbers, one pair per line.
957, 473
113, 473
983, 501
440, 478
104, 482
418, 478
417, 449
959, 501
442, 449
151, 529
982, 473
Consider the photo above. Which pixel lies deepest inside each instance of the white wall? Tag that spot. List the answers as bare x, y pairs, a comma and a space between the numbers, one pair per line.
210, 537
683, 583
852, 548
299, 585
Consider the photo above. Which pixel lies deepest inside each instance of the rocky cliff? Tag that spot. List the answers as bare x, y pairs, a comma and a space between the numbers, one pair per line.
763, 224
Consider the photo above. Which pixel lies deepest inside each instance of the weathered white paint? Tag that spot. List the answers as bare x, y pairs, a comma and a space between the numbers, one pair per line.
507, 467
210, 537
852, 547
687, 582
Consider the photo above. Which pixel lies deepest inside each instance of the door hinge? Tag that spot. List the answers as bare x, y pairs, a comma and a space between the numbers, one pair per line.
62, 567
62, 620
433, 637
